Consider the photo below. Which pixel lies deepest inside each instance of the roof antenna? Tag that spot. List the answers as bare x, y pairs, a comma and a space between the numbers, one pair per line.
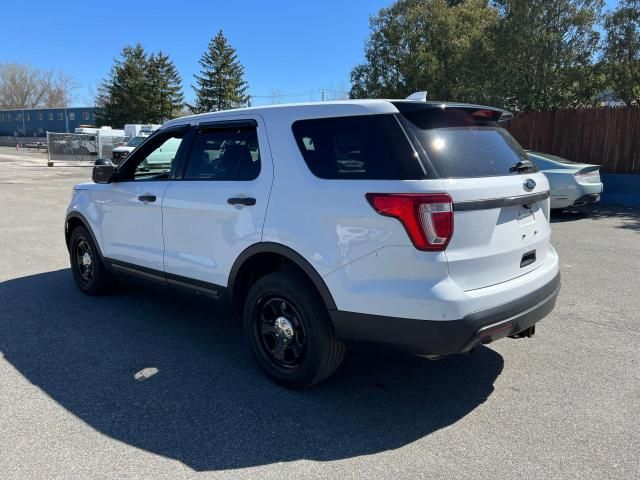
418, 96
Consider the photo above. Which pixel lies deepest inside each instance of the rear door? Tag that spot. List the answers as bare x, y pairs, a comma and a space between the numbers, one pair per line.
500, 200
215, 208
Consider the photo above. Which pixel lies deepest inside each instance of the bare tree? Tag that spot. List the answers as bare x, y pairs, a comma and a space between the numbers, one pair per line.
59, 89
24, 86
340, 92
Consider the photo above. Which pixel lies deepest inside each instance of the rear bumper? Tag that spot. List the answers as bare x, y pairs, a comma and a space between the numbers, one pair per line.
445, 337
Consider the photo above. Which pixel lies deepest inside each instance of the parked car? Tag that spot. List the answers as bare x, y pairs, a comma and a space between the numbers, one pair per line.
572, 184
119, 153
415, 225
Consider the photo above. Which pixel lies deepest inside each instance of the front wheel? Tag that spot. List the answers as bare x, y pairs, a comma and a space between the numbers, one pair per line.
289, 331
89, 272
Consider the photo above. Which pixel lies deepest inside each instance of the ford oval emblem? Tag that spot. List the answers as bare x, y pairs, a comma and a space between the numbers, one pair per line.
529, 184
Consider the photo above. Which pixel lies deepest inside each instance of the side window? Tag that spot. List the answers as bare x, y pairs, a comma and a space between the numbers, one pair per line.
155, 159
224, 154
160, 159
357, 147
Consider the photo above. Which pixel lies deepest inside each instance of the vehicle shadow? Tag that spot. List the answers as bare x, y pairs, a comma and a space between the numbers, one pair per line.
208, 405
627, 217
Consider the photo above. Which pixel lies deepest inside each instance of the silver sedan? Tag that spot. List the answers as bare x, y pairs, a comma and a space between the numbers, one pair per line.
572, 184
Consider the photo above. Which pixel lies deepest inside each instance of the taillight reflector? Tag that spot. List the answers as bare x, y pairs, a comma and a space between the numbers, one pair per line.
427, 218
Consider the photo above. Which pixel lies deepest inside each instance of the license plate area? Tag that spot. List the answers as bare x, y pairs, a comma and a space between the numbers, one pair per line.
526, 216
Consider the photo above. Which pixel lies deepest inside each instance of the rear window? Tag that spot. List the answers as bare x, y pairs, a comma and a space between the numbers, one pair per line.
461, 142
357, 147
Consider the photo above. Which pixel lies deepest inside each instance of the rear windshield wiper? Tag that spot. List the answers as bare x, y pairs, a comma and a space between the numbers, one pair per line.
523, 166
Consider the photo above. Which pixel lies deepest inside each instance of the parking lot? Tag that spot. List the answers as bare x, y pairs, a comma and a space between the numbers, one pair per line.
565, 404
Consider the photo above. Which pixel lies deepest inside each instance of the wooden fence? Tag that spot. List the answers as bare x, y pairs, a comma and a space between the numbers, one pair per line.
603, 136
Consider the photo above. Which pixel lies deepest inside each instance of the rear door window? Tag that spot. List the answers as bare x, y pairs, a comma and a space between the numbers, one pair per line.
224, 154
461, 142
357, 147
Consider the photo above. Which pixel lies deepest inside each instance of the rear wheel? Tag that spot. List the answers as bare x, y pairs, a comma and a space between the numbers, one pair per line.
289, 331
89, 272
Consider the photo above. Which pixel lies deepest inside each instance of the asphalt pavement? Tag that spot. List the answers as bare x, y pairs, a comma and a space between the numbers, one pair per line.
139, 384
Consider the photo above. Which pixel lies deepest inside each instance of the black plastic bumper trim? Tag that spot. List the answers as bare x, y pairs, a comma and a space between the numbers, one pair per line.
445, 337
587, 199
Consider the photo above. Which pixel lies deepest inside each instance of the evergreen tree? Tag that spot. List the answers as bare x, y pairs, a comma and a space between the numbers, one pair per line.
221, 84
165, 96
123, 96
140, 88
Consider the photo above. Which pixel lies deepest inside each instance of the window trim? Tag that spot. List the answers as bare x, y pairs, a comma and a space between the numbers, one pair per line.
215, 125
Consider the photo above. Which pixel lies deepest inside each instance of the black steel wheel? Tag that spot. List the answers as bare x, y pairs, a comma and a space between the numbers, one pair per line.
289, 330
281, 331
84, 261
89, 272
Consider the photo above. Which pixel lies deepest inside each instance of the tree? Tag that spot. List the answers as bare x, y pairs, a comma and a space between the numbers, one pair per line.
521, 54
545, 51
165, 90
23, 86
221, 84
435, 45
621, 55
124, 96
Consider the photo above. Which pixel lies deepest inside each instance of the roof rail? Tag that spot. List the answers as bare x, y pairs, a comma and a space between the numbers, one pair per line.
418, 96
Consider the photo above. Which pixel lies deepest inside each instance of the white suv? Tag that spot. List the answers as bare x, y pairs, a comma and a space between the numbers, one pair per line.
408, 224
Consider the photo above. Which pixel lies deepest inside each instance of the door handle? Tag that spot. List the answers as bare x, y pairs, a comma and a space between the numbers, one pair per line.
248, 201
147, 198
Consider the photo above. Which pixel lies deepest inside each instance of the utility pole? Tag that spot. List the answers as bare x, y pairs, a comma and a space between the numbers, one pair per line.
322, 94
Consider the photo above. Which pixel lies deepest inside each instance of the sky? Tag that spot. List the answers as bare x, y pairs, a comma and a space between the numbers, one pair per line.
286, 46
291, 50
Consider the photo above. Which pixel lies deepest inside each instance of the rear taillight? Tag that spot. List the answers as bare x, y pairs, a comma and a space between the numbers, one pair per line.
427, 218
588, 174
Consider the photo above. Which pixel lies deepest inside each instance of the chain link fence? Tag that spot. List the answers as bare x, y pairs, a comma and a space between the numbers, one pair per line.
80, 147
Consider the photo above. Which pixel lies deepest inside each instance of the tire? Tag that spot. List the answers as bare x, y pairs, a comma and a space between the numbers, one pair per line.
289, 331
89, 273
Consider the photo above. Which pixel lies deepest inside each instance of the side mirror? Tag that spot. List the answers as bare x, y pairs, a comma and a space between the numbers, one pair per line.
103, 171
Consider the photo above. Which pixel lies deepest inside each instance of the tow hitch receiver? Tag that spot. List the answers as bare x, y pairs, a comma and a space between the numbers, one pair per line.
526, 333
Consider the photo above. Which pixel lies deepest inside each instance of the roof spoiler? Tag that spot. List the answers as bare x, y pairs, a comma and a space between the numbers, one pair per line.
422, 97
